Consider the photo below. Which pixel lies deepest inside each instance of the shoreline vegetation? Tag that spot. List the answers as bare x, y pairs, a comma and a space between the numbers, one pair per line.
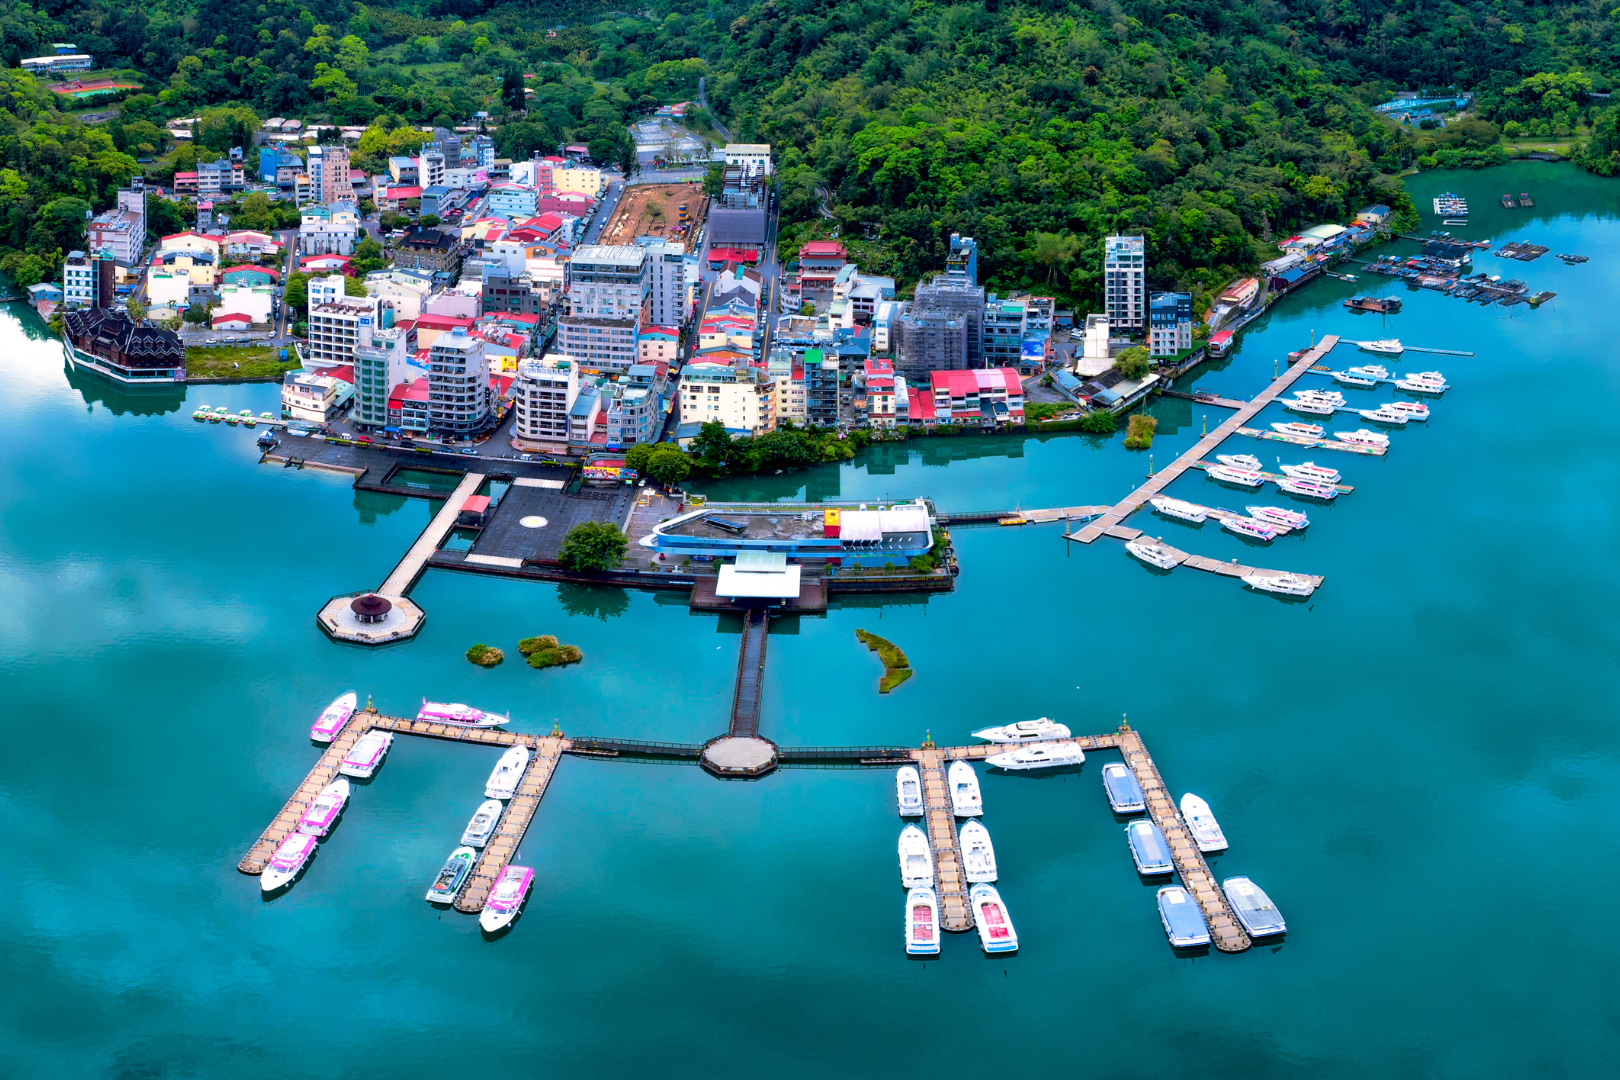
896, 668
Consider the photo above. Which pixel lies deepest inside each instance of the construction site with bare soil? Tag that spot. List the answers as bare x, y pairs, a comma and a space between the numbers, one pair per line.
667, 211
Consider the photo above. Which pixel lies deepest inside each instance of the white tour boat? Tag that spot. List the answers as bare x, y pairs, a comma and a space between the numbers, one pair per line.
323, 810
333, 717
1124, 790
1309, 470
1351, 379
1228, 475
1205, 829
916, 858
1414, 384
506, 898
1332, 397
922, 922
1298, 430
908, 791
978, 854
1414, 410
1369, 371
1153, 554
1362, 437
1254, 530
287, 861
1024, 731
1281, 584
1183, 923
1310, 406
458, 714
1176, 508
1046, 755
1253, 907
996, 933
1384, 347
1240, 461
366, 754
482, 825
452, 875
508, 771
1311, 489
1289, 519
1385, 415
966, 799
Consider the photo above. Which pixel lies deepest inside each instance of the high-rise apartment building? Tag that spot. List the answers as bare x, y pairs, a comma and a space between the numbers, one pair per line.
328, 169
122, 230
543, 393
1125, 282
1169, 323
941, 329
381, 362
666, 284
607, 280
458, 384
337, 322
962, 264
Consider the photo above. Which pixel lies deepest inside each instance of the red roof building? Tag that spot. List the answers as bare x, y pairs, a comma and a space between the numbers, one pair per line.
988, 395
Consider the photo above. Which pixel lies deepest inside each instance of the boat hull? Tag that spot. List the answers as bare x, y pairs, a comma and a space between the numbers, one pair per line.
362, 763
908, 792
1183, 923
922, 922
996, 932
1206, 831
1048, 756
978, 854
333, 717
501, 908
1041, 730
508, 774
483, 823
1124, 792
1149, 851
966, 799
1253, 908
452, 876
916, 858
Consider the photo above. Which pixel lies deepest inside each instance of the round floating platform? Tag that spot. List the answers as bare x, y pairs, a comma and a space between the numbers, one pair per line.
533, 521
370, 618
739, 756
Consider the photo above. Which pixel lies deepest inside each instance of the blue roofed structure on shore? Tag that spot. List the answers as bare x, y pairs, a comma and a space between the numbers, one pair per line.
855, 534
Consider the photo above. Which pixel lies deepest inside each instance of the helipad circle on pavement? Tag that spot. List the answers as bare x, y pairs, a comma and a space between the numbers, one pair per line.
533, 521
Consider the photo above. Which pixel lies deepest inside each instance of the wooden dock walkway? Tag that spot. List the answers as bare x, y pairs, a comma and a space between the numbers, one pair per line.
750, 673
955, 914
502, 847
1233, 569
325, 771
1205, 399
415, 561
1206, 445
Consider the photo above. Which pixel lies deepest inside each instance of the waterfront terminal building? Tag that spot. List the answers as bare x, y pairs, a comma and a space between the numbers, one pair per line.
840, 536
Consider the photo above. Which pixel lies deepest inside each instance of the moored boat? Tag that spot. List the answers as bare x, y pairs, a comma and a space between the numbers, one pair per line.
506, 898
916, 858
1362, 437
1349, 378
441, 712
966, 799
1414, 410
1024, 731
1299, 430
1153, 554
1385, 415
508, 772
366, 754
1253, 907
1201, 823
922, 921
1310, 406
333, 717
908, 791
323, 810
452, 875
1332, 397
1254, 530
1384, 347
1311, 489
1177, 508
1240, 461
289, 858
247, 419
1423, 382
1309, 470
978, 854
1281, 584
1369, 371
267, 439
1149, 851
1228, 475
1124, 792
1276, 515
996, 933
482, 825
1183, 923
1046, 755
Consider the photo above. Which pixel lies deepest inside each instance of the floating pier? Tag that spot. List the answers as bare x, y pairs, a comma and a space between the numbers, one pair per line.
955, 913
1275, 478
741, 753
325, 771
1313, 444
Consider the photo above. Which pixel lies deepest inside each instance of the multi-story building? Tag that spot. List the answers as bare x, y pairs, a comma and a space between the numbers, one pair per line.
819, 263
484, 151
506, 293
821, 386
787, 372
741, 398
1169, 323
254, 301
607, 281
633, 406
458, 385
381, 362
880, 393
78, 280
543, 394
599, 344
512, 201
401, 290
337, 321
122, 230
329, 229
431, 169
941, 329
328, 169
1125, 282
1003, 334
666, 283
962, 263
278, 165
752, 158
657, 343
429, 249
987, 396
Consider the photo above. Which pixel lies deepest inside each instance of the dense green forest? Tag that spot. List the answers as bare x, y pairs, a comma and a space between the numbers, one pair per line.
1035, 127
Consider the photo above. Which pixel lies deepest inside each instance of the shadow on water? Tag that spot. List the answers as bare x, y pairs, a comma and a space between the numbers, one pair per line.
372, 505
595, 601
125, 400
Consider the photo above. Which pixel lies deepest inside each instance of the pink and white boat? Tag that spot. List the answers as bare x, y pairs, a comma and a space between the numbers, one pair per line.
288, 860
440, 712
1276, 515
996, 933
333, 717
1309, 470
1414, 410
1313, 489
922, 922
1228, 475
506, 898
1294, 427
324, 809
1255, 530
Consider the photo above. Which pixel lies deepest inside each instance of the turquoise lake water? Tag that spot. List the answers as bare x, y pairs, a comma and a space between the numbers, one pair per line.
1418, 764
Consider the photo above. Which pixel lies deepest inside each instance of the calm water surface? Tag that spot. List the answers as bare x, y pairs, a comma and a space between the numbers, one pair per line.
1418, 764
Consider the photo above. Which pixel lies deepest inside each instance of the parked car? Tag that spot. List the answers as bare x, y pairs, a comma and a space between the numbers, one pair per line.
469, 452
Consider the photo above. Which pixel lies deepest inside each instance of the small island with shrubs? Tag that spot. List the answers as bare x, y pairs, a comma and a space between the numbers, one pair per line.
896, 668
544, 651
485, 655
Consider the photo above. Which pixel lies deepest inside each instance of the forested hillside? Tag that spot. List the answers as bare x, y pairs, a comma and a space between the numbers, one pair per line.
1036, 127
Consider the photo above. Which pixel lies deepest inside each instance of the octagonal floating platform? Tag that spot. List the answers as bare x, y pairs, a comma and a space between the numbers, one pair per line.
739, 757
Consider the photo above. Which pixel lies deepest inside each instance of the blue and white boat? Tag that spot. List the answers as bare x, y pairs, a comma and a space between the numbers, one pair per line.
996, 933
922, 921
1183, 923
1149, 850
1253, 907
1124, 793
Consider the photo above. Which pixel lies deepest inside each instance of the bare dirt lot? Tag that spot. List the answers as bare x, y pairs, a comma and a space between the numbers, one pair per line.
654, 210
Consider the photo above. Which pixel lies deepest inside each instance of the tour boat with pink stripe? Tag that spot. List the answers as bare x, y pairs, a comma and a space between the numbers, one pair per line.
322, 812
288, 860
506, 898
454, 712
922, 922
996, 933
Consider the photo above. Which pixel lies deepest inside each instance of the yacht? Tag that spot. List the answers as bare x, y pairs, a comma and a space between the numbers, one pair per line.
1297, 430
1024, 731
1350, 378
508, 772
1384, 347
966, 799
1276, 515
1205, 829
1310, 470
916, 858
1414, 384
922, 922
440, 712
1227, 474
1044, 755
506, 898
1311, 489
1332, 397
288, 860
1240, 461
333, 717
366, 754
482, 825
1153, 554
323, 810
1149, 851
1176, 508
996, 933
1254, 530
1183, 923
1310, 406
1362, 437
978, 854
908, 791
1281, 584
1124, 793
1414, 410
1385, 415
1369, 371
1253, 907
452, 875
